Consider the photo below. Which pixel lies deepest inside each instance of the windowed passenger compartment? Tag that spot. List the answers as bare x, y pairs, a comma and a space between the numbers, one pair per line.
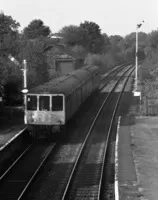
31, 102
44, 103
57, 103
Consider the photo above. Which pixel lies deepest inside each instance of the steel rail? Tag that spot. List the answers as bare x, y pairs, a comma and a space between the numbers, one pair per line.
118, 67
35, 173
14, 163
114, 71
88, 134
29, 178
113, 74
109, 131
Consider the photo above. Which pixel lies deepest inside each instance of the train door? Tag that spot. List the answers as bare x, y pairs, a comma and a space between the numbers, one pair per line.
78, 96
31, 109
58, 109
68, 107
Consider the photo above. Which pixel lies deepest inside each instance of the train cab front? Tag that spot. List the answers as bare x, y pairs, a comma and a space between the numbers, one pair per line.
45, 113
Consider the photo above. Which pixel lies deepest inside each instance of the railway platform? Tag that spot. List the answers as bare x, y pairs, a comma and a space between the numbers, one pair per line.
11, 123
136, 155
7, 133
137, 162
126, 172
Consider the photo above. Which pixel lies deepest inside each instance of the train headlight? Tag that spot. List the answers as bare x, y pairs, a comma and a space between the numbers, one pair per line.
59, 121
31, 119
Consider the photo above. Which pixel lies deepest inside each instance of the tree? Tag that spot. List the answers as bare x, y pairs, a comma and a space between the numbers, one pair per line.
9, 44
98, 60
79, 50
127, 45
33, 50
73, 35
106, 45
8, 35
35, 29
12, 91
95, 38
115, 53
115, 39
129, 53
153, 39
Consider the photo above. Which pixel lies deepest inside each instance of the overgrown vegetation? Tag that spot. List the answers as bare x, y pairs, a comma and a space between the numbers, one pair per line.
86, 41
148, 74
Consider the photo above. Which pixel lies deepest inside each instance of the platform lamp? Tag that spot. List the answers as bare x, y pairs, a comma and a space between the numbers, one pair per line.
137, 93
24, 69
25, 90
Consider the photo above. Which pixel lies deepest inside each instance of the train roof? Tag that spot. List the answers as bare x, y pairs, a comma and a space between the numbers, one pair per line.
67, 83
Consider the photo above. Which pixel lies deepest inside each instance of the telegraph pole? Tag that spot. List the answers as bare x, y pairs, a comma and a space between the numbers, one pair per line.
136, 93
136, 60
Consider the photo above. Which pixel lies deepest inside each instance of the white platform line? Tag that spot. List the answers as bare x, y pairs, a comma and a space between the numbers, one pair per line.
13, 138
116, 161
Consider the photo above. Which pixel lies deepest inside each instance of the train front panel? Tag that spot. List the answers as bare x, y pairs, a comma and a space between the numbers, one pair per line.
45, 109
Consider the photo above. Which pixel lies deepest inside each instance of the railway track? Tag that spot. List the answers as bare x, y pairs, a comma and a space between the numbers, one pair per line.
18, 177
13, 177
62, 180
112, 74
86, 178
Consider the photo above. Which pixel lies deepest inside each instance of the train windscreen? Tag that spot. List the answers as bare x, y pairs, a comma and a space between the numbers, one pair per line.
57, 103
44, 103
31, 102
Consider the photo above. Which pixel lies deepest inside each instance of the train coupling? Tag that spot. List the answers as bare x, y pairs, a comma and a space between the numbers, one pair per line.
56, 128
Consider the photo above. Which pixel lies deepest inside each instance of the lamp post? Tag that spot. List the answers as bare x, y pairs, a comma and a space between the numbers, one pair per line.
136, 59
25, 90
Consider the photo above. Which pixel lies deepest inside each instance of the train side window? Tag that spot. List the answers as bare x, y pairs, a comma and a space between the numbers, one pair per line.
31, 102
44, 103
57, 103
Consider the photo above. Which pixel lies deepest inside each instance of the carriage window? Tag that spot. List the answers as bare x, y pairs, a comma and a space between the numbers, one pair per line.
57, 103
31, 102
44, 103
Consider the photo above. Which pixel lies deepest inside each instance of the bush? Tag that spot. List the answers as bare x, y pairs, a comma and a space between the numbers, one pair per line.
105, 62
12, 93
98, 60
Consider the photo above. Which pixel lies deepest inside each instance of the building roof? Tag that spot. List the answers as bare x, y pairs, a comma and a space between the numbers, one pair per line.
60, 49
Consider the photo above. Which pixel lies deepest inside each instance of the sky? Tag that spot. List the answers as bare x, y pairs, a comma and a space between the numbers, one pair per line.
114, 17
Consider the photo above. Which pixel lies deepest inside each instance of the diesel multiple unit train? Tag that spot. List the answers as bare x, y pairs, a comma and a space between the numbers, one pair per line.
51, 105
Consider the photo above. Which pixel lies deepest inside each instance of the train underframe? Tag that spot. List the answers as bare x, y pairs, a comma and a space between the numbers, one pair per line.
47, 131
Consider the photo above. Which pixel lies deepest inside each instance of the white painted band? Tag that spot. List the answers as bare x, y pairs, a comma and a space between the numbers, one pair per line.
13, 138
116, 161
